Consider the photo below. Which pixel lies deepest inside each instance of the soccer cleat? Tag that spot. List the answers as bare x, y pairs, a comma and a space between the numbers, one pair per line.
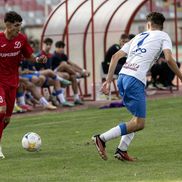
50, 107
17, 109
26, 107
65, 82
67, 104
123, 155
78, 102
100, 146
1, 154
54, 100
29, 102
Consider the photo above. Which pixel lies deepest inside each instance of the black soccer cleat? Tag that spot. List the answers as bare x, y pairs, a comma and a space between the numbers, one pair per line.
100, 146
123, 155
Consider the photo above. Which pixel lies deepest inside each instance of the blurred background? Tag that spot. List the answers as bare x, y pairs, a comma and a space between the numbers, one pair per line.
35, 13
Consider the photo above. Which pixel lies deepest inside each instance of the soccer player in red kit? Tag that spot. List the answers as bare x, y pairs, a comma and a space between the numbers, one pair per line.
13, 45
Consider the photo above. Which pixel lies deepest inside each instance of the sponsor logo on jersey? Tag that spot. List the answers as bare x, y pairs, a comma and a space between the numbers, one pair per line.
10, 54
3, 45
131, 66
139, 50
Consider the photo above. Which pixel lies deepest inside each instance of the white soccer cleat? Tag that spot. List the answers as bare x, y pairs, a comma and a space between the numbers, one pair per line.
50, 107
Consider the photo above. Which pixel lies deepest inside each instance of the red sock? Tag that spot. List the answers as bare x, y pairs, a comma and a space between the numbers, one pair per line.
1, 124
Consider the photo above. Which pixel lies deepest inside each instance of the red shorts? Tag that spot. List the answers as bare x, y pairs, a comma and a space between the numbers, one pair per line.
7, 98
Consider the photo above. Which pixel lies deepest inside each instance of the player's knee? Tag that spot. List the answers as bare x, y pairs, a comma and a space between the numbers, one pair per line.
50, 72
63, 63
42, 79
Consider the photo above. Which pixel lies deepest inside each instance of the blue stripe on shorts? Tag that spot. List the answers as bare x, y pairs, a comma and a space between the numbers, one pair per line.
132, 92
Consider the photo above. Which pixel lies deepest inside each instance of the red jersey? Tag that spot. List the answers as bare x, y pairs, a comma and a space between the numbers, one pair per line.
11, 52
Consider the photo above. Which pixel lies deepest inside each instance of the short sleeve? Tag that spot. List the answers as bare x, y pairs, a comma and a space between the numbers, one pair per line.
126, 47
167, 43
26, 49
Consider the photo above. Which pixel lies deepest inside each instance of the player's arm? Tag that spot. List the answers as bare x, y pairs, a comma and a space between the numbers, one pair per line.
25, 71
114, 61
38, 59
172, 63
27, 52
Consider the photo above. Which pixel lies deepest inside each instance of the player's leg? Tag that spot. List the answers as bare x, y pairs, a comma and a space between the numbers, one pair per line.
82, 72
65, 67
10, 101
38, 80
77, 100
74, 84
135, 124
64, 75
59, 92
50, 73
5, 115
2, 115
121, 151
64, 78
21, 96
35, 78
37, 95
133, 93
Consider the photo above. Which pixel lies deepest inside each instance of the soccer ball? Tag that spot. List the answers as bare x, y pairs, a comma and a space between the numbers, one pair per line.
31, 142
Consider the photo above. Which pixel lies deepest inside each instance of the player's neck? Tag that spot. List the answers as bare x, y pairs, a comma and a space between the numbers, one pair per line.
46, 51
9, 36
153, 29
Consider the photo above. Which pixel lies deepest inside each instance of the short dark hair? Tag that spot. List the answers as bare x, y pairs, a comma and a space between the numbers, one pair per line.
156, 19
124, 36
12, 17
59, 44
48, 40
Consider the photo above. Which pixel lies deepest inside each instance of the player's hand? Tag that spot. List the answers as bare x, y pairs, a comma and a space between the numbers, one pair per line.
41, 59
106, 86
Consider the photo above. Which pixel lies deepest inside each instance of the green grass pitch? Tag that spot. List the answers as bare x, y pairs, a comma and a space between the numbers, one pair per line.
68, 154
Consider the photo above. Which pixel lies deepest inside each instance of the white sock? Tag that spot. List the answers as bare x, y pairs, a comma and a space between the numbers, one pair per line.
61, 98
21, 100
59, 78
76, 97
125, 141
111, 134
63, 90
43, 101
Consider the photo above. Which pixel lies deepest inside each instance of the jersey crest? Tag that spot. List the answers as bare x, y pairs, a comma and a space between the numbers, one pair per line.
17, 45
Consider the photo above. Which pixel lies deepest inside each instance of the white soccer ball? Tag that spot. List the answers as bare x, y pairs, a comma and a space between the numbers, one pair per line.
31, 142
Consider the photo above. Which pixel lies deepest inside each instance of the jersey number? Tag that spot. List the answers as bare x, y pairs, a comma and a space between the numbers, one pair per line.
145, 34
